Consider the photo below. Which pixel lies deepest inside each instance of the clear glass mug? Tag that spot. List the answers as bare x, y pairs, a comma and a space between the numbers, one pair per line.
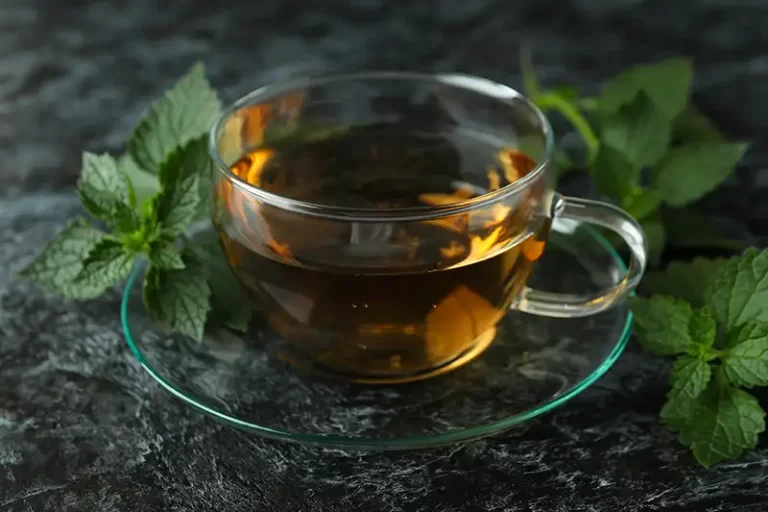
340, 282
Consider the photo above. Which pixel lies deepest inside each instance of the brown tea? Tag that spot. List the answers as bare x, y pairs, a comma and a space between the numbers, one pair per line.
379, 298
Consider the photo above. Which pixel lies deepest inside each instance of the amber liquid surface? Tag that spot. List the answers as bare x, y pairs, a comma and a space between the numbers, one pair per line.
427, 303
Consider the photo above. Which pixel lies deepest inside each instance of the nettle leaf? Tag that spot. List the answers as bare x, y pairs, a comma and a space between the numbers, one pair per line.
689, 378
186, 112
62, 260
745, 362
725, 422
106, 193
667, 83
164, 255
614, 175
179, 298
739, 290
639, 130
230, 305
702, 327
107, 264
687, 173
190, 160
687, 280
144, 184
177, 207
662, 324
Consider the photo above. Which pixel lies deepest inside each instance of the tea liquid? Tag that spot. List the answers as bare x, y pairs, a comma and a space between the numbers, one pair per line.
430, 293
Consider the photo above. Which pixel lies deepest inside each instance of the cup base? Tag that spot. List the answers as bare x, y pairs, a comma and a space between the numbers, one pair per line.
336, 372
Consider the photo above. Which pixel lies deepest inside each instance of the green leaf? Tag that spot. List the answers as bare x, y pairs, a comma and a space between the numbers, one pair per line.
687, 173
106, 193
179, 298
164, 255
107, 264
639, 130
693, 126
702, 329
191, 159
688, 379
667, 83
745, 362
687, 280
231, 307
614, 175
725, 422
62, 260
641, 202
186, 112
657, 238
662, 324
176, 207
739, 290
144, 184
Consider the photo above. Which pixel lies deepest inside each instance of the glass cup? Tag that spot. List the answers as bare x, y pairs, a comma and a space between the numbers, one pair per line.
396, 291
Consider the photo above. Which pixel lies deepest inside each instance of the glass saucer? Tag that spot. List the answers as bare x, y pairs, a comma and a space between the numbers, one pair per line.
535, 365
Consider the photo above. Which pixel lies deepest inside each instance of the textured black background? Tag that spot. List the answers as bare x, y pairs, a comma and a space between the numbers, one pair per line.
83, 428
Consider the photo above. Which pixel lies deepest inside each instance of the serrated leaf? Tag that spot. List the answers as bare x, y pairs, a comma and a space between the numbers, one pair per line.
687, 173
638, 130
702, 328
188, 160
725, 422
687, 280
164, 255
693, 126
107, 264
689, 378
614, 175
662, 324
62, 260
667, 83
745, 362
176, 207
144, 184
186, 112
739, 290
231, 306
657, 238
106, 193
179, 298
100, 171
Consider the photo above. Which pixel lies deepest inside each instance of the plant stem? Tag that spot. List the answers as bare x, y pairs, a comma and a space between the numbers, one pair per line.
549, 101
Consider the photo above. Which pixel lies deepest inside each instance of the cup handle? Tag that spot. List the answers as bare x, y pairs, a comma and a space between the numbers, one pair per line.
564, 305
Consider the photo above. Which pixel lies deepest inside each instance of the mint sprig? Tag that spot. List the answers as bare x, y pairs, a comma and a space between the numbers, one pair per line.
147, 201
648, 148
186, 111
721, 347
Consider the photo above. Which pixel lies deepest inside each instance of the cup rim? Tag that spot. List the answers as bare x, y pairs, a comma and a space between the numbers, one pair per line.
468, 82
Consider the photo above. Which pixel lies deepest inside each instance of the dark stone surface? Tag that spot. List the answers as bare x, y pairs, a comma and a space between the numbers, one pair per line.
82, 427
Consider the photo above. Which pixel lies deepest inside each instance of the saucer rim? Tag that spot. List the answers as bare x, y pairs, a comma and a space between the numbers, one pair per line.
400, 443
